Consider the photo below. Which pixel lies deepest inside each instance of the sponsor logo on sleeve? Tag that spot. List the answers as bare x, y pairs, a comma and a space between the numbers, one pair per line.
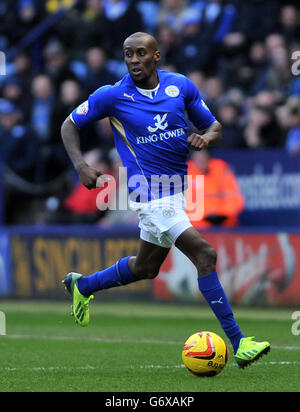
83, 108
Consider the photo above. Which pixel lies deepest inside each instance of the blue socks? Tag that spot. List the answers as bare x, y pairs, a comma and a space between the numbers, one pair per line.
214, 294
209, 285
117, 275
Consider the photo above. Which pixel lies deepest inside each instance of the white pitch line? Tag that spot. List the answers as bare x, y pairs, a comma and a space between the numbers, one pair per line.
160, 366
285, 347
90, 368
48, 369
93, 339
233, 365
120, 340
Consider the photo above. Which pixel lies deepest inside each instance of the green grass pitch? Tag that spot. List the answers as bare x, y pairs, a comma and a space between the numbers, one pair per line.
136, 347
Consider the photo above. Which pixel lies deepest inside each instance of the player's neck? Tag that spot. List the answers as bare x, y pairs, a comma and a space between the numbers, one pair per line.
150, 83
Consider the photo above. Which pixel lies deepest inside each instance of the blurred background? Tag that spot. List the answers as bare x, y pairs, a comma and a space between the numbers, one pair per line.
242, 56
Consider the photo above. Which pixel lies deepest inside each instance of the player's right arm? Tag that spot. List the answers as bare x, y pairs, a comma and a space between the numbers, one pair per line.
71, 139
96, 107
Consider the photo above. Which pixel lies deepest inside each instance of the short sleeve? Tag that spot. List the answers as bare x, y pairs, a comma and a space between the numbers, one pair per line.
196, 108
98, 106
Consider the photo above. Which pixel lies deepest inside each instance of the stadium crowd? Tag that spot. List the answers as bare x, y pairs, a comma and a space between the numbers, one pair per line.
238, 53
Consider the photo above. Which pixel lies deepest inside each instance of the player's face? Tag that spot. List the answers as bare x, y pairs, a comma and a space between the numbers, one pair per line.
141, 59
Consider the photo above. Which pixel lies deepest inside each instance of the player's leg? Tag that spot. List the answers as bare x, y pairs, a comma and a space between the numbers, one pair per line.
127, 270
147, 262
204, 257
145, 265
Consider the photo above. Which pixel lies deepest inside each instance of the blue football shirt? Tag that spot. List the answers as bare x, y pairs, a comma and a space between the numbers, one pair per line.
150, 134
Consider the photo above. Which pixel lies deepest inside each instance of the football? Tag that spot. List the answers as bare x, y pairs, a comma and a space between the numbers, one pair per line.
205, 354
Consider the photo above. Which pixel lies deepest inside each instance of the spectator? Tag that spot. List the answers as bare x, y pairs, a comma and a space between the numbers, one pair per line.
256, 19
213, 91
43, 94
223, 200
191, 53
70, 96
173, 14
119, 13
18, 148
272, 42
262, 129
169, 42
18, 144
232, 57
12, 90
216, 21
232, 129
253, 73
97, 74
289, 23
23, 71
57, 64
27, 13
7, 21
279, 76
85, 28
237, 96
52, 159
149, 11
266, 99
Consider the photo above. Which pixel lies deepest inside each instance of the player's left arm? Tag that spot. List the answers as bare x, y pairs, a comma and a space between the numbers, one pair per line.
210, 130
209, 137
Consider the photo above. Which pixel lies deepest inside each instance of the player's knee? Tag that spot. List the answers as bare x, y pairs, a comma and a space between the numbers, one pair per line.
206, 259
211, 255
151, 274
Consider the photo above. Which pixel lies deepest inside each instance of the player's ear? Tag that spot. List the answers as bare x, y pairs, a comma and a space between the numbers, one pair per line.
157, 56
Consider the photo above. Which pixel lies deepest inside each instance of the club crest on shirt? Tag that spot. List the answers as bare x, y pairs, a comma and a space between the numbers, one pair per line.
172, 91
83, 108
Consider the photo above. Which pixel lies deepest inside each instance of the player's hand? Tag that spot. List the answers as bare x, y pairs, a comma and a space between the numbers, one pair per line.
197, 142
88, 176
